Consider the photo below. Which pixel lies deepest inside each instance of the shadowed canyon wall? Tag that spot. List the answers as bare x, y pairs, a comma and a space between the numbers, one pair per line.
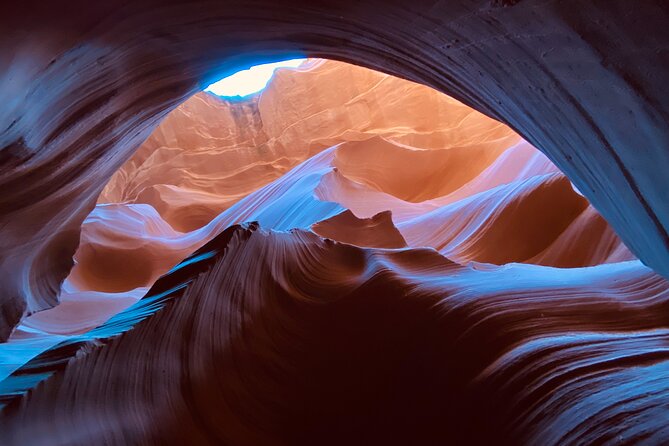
334, 343
372, 262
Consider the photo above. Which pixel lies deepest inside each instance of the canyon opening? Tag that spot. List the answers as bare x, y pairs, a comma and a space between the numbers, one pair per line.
333, 150
451, 233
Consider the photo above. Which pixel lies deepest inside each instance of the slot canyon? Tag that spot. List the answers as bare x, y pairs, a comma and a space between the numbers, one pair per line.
437, 223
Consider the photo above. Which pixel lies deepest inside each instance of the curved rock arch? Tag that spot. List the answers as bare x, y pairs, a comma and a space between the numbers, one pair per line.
83, 85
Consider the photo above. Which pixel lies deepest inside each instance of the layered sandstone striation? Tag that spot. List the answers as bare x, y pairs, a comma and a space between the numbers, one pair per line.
415, 272
475, 191
84, 84
288, 338
210, 152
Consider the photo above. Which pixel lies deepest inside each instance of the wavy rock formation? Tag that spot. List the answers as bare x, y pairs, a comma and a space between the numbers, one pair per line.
126, 246
209, 153
518, 207
412, 173
84, 84
375, 232
415, 273
472, 199
286, 338
592, 242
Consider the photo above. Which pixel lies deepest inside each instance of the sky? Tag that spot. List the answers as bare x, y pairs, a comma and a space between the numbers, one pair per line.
252, 80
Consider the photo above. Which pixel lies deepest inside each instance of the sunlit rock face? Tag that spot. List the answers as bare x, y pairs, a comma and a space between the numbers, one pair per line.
416, 273
177, 191
454, 179
468, 187
377, 231
210, 152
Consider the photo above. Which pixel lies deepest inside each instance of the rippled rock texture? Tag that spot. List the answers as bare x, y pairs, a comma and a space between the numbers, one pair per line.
417, 273
287, 338
405, 282
473, 190
84, 84
210, 152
